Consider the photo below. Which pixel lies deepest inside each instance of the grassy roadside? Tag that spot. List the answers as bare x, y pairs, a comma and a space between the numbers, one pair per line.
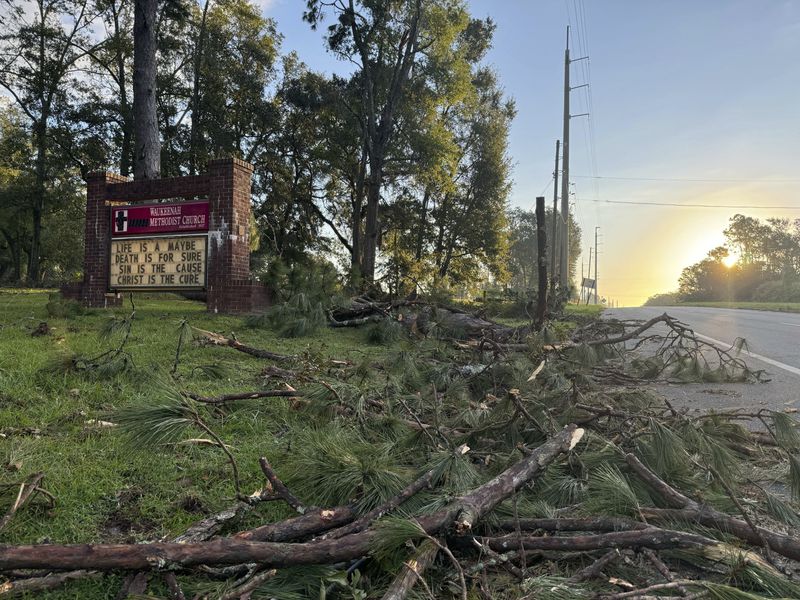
106, 490
792, 307
111, 492
584, 309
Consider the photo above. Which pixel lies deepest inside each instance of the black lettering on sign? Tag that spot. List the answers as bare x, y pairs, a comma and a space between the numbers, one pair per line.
159, 262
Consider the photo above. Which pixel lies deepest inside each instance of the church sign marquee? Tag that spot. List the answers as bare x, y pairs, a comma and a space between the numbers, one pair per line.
173, 259
159, 218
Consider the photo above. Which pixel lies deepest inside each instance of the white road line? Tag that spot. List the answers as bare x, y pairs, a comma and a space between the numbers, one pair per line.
766, 359
792, 324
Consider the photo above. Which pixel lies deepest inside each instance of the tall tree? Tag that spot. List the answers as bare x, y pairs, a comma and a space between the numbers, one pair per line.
16, 186
383, 38
405, 51
147, 162
40, 45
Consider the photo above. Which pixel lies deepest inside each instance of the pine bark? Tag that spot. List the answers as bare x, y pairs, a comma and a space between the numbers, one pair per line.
147, 164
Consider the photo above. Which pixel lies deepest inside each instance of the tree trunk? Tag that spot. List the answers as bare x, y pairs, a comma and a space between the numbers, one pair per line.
124, 103
371, 224
358, 203
145, 119
34, 263
194, 134
423, 217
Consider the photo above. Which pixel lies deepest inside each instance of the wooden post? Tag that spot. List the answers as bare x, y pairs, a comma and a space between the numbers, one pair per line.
541, 259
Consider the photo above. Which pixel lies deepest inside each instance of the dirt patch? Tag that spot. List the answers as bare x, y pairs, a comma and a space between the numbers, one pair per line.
192, 504
125, 523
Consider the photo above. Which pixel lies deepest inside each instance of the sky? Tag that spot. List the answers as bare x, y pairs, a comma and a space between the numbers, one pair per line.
680, 90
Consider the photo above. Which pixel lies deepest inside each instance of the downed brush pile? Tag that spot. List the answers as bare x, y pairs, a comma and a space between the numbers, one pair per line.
476, 462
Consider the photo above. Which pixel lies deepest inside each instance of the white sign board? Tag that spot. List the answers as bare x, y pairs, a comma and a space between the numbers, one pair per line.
177, 262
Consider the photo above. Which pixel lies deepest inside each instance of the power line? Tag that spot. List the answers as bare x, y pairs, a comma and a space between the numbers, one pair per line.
691, 180
692, 205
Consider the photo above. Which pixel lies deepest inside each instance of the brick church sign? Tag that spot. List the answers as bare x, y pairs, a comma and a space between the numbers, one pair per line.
173, 234
159, 218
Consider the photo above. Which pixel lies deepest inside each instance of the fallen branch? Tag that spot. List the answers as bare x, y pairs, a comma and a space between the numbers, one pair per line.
594, 569
311, 523
279, 489
245, 396
217, 339
355, 322
410, 490
649, 537
464, 511
31, 585
687, 509
26, 490
412, 572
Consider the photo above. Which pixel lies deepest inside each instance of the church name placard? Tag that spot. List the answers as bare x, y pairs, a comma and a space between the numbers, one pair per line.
167, 262
159, 218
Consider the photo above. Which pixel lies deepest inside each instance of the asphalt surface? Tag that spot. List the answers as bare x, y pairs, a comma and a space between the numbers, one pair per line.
773, 344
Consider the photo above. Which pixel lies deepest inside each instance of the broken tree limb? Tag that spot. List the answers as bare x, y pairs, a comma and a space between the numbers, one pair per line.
26, 490
500, 559
464, 511
412, 571
245, 396
217, 339
784, 545
31, 585
279, 489
649, 537
594, 569
686, 509
312, 522
476, 504
357, 322
213, 524
416, 486
633, 333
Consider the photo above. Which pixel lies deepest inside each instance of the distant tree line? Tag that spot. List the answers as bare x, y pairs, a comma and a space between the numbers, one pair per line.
766, 267
398, 172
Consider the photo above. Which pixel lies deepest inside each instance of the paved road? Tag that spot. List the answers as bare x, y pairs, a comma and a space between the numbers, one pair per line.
773, 336
773, 342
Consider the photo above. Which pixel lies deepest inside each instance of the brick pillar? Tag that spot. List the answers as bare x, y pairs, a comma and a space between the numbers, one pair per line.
229, 279
97, 237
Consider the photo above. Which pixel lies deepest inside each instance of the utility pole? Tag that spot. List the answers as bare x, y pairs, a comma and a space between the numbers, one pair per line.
541, 259
589, 276
564, 272
553, 243
595, 264
564, 237
580, 296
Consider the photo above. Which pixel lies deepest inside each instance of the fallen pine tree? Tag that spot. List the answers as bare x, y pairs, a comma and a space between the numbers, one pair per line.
486, 468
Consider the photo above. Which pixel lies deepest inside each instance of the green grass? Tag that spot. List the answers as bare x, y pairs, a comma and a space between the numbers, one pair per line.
769, 306
106, 490
109, 491
584, 309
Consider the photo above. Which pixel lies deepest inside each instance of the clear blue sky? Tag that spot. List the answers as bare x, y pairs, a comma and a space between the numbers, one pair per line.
681, 89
